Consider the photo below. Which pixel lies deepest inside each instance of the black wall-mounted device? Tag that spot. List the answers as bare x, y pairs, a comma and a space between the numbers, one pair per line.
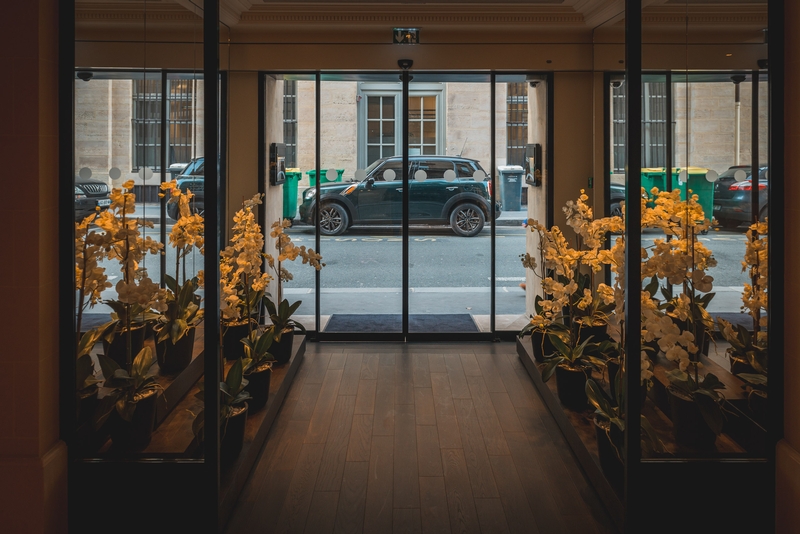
277, 163
533, 164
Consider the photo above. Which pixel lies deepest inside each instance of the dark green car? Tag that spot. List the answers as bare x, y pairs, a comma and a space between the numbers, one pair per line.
443, 190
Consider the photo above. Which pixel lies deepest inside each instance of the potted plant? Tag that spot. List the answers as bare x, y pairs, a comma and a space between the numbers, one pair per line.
242, 280
176, 326
137, 294
539, 327
130, 407
232, 412
281, 314
258, 365
90, 282
609, 423
696, 408
570, 364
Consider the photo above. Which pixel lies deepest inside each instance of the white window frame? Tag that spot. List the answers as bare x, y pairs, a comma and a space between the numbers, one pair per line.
366, 89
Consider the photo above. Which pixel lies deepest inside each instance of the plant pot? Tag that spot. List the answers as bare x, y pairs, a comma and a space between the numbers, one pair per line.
571, 387
598, 333
232, 346
607, 436
688, 426
135, 434
117, 350
283, 350
232, 435
541, 345
738, 365
258, 387
172, 359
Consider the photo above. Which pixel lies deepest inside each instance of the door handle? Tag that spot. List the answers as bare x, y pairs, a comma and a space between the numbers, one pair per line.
453, 188
400, 189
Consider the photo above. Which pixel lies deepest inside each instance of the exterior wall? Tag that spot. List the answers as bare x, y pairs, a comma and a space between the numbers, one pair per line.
33, 460
710, 129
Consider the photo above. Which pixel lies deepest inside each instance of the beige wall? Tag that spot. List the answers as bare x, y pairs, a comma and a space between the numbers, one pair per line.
33, 461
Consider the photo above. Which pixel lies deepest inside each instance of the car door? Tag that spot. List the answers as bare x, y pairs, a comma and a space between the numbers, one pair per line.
430, 192
381, 200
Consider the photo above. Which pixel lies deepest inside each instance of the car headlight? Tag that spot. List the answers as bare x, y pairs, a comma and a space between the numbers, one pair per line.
309, 193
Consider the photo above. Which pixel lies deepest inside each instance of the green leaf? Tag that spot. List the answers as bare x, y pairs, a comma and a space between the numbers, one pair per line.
549, 367
597, 397
142, 363
233, 380
559, 344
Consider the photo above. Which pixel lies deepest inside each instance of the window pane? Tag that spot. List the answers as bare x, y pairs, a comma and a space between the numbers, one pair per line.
429, 108
414, 133
373, 153
388, 132
388, 107
373, 131
373, 107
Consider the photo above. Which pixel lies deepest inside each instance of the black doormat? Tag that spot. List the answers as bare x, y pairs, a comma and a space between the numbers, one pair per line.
391, 322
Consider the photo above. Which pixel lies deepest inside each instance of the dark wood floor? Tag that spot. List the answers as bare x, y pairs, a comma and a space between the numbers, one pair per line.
381, 438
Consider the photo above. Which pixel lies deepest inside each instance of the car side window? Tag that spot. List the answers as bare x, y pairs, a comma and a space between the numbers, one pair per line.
434, 169
464, 170
395, 165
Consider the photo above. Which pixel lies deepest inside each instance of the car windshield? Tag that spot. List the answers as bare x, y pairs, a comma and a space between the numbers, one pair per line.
195, 168
732, 171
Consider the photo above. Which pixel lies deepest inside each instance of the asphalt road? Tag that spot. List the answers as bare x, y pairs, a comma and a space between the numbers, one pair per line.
364, 269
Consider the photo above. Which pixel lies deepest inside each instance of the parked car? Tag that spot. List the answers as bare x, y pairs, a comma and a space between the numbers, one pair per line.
442, 190
733, 192
617, 195
90, 194
190, 179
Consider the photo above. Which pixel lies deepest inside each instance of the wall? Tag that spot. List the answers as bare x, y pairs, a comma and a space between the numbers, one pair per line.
33, 461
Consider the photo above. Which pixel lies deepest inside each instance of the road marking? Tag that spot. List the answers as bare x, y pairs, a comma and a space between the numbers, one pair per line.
424, 239
508, 278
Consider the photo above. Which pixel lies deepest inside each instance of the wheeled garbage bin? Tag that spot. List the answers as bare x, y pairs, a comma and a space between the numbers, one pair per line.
290, 193
312, 176
511, 186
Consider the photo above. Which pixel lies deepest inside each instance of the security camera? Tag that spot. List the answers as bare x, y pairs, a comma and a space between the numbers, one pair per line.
85, 76
616, 84
405, 64
534, 83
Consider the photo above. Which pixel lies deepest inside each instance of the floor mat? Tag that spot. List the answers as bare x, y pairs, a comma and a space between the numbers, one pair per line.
391, 322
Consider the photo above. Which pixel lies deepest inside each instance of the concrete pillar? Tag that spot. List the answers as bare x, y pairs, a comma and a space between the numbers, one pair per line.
33, 461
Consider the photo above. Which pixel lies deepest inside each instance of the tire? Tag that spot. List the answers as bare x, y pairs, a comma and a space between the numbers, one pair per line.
333, 219
467, 220
616, 209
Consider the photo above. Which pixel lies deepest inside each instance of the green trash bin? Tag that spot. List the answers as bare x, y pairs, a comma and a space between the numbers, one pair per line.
699, 186
312, 176
697, 183
290, 193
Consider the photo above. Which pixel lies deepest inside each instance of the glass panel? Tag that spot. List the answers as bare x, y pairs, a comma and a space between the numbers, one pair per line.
445, 212
374, 107
524, 106
361, 211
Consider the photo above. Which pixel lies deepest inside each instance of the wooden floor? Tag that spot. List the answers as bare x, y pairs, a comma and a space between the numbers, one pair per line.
381, 438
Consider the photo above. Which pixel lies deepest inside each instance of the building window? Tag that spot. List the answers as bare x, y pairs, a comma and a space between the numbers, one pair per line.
290, 121
516, 123
181, 110
654, 126
380, 121
146, 124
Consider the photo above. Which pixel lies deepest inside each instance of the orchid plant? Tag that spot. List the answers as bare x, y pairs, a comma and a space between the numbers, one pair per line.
183, 305
122, 240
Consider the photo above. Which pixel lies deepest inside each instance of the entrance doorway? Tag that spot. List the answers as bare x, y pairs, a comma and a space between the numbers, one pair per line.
408, 212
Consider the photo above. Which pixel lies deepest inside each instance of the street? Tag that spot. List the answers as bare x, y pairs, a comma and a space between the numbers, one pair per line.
447, 273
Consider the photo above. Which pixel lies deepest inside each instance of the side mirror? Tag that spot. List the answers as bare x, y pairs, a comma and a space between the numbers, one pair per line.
369, 183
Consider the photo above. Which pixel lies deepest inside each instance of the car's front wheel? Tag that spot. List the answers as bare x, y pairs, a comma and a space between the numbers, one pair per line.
467, 220
333, 219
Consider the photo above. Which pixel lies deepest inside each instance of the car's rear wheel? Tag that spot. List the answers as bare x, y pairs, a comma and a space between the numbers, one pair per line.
333, 219
616, 209
467, 220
